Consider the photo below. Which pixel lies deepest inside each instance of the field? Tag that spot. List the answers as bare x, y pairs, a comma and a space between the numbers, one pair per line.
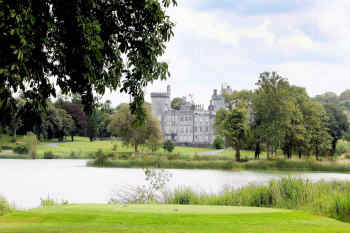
166, 219
83, 148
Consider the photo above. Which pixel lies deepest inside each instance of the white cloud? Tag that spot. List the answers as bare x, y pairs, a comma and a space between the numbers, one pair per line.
309, 46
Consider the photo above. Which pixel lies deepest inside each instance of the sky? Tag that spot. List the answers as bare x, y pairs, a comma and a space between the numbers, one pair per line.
231, 42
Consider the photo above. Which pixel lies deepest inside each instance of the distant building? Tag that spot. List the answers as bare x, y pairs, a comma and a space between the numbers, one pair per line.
192, 124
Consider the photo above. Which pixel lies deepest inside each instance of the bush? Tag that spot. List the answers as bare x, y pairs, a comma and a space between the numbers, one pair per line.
101, 158
173, 156
219, 143
20, 149
31, 141
4, 206
73, 155
342, 147
169, 145
5, 147
49, 155
115, 147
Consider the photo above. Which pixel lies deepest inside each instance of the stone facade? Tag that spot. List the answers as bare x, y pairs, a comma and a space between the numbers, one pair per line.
192, 124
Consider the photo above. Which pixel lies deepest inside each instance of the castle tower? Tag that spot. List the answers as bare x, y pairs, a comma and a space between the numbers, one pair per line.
160, 102
168, 89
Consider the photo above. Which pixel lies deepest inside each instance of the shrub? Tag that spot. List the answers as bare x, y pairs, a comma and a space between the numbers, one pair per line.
173, 156
169, 145
73, 155
4, 206
115, 147
20, 149
101, 158
49, 155
6, 147
219, 143
342, 147
31, 141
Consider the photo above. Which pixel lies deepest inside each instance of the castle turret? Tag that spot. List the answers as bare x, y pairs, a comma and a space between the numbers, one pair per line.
160, 102
168, 90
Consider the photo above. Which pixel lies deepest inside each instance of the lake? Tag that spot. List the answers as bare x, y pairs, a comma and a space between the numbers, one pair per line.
24, 182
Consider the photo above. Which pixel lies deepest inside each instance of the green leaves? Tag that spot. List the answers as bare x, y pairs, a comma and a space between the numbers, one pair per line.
87, 46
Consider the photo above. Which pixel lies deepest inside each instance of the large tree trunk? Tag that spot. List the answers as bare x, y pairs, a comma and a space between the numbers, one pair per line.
136, 148
316, 152
238, 151
72, 137
299, 154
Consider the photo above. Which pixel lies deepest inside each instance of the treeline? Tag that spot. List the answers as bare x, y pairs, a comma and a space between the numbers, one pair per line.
61, 118
280, 117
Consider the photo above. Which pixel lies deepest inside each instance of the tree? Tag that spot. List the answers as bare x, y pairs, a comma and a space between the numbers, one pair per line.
219, 143
123, 125
169, 145
317, 137
83, 46
232, 124
79, 118
328, 97
57, 123
345, 96
337, 124
92, 129
176, 103
270, 110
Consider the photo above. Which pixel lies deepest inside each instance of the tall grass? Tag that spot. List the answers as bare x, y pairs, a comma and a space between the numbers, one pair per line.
219, 162
330, 199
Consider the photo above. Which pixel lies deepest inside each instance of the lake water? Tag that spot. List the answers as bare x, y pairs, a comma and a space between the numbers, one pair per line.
24, 182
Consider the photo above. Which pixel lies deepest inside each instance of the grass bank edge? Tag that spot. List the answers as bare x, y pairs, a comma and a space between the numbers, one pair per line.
279, 165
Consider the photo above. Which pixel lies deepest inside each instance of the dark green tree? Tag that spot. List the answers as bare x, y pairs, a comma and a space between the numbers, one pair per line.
219, 143
337, 123
169, 145
176, 103
233, 125
85, 47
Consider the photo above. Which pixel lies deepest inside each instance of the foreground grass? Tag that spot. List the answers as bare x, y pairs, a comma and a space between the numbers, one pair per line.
166, 218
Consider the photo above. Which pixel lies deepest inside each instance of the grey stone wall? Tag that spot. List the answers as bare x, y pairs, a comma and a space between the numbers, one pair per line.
189, 125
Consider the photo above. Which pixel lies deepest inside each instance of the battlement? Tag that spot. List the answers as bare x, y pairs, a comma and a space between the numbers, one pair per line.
159, 94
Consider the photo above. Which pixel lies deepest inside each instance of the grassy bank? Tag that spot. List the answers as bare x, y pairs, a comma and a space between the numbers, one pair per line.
166, 218
225, 163
331, 199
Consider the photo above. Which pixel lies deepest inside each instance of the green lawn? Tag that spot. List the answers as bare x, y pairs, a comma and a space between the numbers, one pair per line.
166, 219
82, 146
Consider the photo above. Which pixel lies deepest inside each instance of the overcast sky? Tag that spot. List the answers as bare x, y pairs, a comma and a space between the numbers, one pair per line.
232, 42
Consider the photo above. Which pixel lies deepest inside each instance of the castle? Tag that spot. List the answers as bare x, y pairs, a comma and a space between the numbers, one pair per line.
191, 124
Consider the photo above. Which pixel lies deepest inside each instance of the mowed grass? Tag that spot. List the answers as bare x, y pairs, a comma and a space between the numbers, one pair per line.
166, 219
82, 147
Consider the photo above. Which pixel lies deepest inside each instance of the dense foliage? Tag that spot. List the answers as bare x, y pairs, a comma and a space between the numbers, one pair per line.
123, 125
278, 116
83, 47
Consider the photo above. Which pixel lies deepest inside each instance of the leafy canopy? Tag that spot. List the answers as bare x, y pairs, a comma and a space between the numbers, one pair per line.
83, 47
